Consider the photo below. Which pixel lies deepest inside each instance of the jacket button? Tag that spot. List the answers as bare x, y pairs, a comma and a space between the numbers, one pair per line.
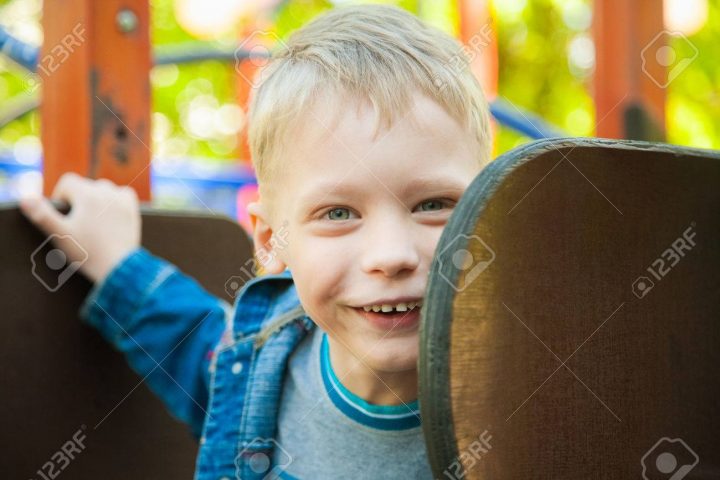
237, 368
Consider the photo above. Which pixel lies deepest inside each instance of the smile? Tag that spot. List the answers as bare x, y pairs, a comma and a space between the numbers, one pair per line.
399, 307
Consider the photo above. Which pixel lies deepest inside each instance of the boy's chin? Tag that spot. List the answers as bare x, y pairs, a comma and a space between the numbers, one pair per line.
394, 355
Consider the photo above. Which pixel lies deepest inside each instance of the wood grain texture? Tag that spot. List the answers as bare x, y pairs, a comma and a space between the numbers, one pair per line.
59, 374
548, 350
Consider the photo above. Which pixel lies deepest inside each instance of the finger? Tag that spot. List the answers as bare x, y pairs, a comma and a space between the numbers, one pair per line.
68, 187
104, 182
43, 214
130, 194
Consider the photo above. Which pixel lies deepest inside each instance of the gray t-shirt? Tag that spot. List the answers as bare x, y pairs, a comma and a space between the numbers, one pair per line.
327, 432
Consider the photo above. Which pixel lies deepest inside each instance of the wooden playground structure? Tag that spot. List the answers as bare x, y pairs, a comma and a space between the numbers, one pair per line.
647, 375
95, 62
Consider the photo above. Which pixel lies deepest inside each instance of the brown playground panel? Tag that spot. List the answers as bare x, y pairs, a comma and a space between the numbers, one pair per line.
60, 379
544, 361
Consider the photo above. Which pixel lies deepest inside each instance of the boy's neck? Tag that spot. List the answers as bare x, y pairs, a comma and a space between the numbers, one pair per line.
375, 387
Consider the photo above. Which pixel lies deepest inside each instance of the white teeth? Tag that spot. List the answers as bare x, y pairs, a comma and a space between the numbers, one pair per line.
400, 307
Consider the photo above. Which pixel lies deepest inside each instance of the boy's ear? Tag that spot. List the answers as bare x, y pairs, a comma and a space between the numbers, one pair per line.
266, 247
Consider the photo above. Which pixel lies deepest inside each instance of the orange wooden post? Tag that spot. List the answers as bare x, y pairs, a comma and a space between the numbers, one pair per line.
630, 80
94, 65
246, 68
477, 33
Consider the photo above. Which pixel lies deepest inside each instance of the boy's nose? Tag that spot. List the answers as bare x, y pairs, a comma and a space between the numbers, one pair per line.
390, 251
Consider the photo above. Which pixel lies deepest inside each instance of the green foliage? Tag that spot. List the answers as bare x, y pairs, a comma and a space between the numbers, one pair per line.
693, 104
536, 72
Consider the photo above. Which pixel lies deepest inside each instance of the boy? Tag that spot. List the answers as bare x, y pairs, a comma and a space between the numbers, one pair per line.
364, 134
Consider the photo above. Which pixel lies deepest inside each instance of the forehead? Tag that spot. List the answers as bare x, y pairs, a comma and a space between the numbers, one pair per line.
338, 131
339, 148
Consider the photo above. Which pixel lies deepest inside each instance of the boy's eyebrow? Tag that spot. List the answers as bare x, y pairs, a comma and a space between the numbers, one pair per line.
449, 184
326, 190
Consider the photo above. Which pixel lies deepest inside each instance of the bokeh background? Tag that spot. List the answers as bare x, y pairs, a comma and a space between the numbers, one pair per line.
546, 63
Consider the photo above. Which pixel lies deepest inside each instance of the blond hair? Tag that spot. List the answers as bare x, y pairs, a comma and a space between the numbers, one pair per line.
376, 52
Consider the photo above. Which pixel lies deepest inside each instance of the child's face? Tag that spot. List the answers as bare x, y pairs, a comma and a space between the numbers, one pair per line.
357, 220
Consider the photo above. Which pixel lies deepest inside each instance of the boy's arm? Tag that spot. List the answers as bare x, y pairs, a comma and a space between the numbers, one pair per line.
162, 320
165, 324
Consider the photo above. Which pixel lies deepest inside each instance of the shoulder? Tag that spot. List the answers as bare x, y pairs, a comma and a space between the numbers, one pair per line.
262, 300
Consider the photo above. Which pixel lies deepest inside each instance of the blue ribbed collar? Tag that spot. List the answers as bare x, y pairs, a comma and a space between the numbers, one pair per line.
382, 417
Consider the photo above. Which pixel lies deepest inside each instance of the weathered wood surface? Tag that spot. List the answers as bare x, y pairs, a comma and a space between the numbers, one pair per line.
555, 358
60, 375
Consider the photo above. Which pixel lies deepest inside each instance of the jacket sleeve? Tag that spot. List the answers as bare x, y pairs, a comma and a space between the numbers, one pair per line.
165, 324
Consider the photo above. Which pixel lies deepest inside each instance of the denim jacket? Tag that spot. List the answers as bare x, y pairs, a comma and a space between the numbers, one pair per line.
218, 369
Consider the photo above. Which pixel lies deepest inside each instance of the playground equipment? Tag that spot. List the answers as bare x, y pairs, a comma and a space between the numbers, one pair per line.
575, 267
64, 383
570, 328
108, 94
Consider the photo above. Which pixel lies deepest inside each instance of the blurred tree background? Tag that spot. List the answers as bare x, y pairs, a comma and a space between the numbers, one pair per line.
546, 66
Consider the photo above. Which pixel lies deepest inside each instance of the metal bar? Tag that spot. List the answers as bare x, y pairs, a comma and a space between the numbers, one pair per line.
197, 52
524, 122
17, 107
26, 55
20, 52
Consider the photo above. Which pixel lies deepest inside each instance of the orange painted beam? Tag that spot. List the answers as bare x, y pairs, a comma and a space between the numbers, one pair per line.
95, 114
255, 38
477, 33
629, 83
246, 70
479, 38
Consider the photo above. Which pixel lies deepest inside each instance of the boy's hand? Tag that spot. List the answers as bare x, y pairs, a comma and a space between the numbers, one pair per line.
104, 219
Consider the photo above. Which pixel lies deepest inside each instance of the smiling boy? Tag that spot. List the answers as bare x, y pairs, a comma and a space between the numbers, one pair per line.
364, 135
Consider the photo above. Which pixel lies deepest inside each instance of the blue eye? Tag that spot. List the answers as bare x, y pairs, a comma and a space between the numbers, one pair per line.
338, 214
432, 205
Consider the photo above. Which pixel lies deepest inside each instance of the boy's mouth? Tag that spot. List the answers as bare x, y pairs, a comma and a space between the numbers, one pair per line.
390, 308
392, 316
